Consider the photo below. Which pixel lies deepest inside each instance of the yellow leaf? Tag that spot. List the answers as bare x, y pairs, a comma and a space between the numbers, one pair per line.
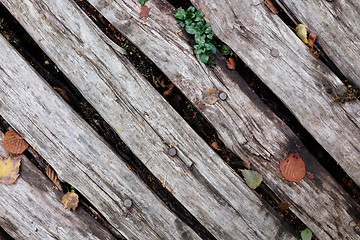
70, 201
301, 31
9, 170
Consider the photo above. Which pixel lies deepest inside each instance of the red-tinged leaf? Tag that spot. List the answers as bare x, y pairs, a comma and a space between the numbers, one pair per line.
271, 6
144, 12
283, 205
293, 168
231, 64
215, 145
311, 40
14, 143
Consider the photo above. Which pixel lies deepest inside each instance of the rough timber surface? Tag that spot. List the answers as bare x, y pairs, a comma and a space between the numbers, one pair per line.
300, 80
244, 124
337, 24
31, 209
79, 156
197, 177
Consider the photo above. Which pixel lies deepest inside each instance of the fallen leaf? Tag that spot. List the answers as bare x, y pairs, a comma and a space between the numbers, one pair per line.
311, 40
306, 234
63, 93
215, 145
9, 170
231, 64
301, 31
144, 12
293, 168
271, 6
252, 178
14, 143
168, 92
210, 96
142, 2
53, 177
70, 201
283, 205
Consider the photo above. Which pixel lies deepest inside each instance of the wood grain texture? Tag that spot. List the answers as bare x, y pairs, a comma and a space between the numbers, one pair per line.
197, 177
79, 155
302, 82
244, 124
337, 24
31, 209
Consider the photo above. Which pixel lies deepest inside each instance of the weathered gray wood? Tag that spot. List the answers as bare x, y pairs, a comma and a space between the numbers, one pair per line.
302, 82
31, 209
242, 121
337, 24
197, 177
79, 155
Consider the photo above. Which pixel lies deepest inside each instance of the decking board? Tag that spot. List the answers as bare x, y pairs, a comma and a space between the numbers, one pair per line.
79, 155
31, 209
337, 24
197, 177
299, 79
243, 122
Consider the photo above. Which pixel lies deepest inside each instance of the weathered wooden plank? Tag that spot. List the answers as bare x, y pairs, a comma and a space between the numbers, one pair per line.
31, 209
337, 24
79, 155
197, 177
241, 116
302, 82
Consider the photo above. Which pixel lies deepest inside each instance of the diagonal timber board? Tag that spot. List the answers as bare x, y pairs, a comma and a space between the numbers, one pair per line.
197, 177
79, 156
337, 24
31, 209
244, 124
300, 80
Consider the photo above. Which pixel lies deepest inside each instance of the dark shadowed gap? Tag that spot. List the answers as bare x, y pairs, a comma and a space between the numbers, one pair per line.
275, 104
4, 235
48, 70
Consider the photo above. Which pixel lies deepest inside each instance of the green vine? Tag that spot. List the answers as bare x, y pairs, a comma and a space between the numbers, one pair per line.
194, 24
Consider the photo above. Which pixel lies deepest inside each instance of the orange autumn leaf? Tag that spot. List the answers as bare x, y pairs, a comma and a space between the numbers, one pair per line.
271, 6
14, 143
144, 12
210, 96
311, 40
283, 205
9, 170
70, 201
293, 168
215, 145
53, 177
231, 64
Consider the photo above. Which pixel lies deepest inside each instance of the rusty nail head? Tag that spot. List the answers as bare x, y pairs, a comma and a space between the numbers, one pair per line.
127, 203
274, 52
172, 151
223, 96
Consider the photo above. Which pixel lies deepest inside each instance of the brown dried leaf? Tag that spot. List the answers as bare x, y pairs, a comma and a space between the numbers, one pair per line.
231, 64
215, 145
271, 6
53, 177
311, 40
70, 201
168, 92
9, 170
283, 205
63, 93
144, 12
14, 143
293, 168
210, 96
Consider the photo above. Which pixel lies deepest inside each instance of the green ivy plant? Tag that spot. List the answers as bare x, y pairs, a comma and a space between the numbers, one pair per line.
142, 2
194, 24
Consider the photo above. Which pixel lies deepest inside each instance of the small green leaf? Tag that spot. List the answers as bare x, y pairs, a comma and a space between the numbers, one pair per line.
181, 23
200, 39
191, 28
225, 50
252, 178
204, 57
306, 234
142, 2
180, 14
198, 16
188, 21
191, 9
